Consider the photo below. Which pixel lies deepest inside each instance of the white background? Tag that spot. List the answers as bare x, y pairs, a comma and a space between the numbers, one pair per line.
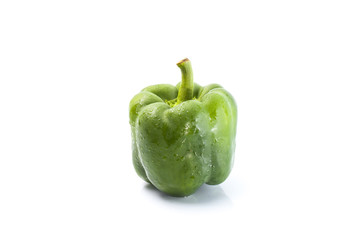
68, 70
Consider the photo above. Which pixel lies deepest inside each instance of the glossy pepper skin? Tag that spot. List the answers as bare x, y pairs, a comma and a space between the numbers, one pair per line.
183, 136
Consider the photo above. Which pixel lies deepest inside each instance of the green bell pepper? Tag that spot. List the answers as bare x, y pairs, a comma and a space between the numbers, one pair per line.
183, 136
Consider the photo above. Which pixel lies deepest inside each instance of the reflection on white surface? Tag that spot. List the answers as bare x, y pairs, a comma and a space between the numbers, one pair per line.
206, 194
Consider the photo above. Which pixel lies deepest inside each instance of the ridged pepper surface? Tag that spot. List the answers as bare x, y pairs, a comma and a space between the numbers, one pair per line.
183, 136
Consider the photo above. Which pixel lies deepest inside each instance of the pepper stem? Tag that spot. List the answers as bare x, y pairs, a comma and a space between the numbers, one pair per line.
187, 83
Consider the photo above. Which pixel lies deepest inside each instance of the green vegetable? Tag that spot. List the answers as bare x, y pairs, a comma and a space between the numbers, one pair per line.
183, 136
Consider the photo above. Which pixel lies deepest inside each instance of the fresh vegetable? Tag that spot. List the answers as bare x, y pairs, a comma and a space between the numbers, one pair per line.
183, 136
